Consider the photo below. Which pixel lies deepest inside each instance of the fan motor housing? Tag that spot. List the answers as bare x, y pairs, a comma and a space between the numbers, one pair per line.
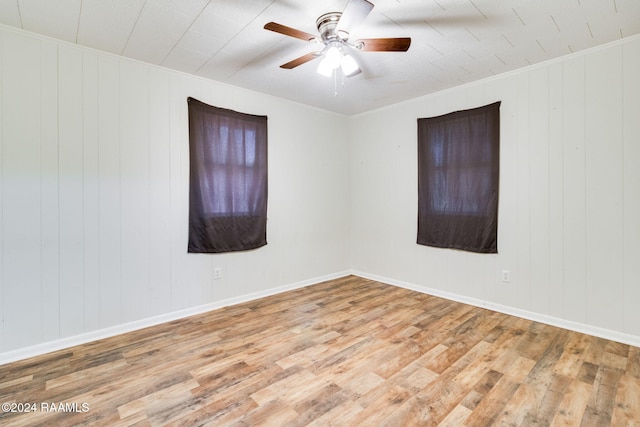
327, 24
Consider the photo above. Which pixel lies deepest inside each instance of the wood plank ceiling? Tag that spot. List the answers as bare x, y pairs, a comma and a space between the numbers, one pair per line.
454, 41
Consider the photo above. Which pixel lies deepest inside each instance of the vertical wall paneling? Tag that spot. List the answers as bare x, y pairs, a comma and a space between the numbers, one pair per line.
569, 201
523, 237
91, 192
94, 194
71, 191
406, 172
363, 248
21, 191
539, 113
2, 305
604, 185
556, 192
49, 185
574, 190
134, 174
631, 183
109, 193
160, 198
177, 192
505, 293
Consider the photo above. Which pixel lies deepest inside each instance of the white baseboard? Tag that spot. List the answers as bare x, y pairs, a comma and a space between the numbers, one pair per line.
62, 343
529, 315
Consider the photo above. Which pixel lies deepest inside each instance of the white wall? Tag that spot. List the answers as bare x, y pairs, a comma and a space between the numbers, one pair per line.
569, 213
94, 194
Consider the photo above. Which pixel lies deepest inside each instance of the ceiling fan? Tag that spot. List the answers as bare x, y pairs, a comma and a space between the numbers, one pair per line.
334, 29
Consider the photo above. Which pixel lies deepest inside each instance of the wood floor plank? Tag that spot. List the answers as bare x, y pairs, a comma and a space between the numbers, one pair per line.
347, 352
574, 401
492, 404
626, 411
633, 362
599, 409
386, 403
518, 407
570, 360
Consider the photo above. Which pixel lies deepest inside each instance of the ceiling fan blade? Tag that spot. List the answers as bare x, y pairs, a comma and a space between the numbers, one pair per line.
400, 44
354, 13
288, 31
299, 61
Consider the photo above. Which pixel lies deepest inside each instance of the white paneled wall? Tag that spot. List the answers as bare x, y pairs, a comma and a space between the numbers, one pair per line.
631, 180
569, 220
94, 194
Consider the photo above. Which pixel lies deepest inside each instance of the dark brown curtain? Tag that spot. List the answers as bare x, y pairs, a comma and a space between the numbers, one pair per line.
458, 179
228, 179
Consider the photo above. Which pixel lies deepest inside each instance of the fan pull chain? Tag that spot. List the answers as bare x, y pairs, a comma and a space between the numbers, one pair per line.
335, 83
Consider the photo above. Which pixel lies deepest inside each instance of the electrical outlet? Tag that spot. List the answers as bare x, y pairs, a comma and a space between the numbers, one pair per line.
506, 276
217, 273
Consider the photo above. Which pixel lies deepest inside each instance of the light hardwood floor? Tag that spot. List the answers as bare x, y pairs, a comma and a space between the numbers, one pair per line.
348, 352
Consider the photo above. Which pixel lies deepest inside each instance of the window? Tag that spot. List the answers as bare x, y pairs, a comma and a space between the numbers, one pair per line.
228, 179
458, 179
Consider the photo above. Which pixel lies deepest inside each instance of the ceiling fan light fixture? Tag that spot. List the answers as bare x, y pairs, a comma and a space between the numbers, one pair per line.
331, 61
325, 68
333, 57
349, 66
